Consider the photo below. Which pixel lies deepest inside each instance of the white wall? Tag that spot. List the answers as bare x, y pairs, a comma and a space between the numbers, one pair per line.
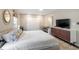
8, 26
3, 25
73, 15
48, 21
31, 22
23, 21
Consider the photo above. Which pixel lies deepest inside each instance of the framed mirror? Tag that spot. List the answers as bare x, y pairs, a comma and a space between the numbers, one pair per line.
6, 16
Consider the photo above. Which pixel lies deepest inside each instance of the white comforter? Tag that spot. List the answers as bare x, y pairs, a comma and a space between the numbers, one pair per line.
32, 40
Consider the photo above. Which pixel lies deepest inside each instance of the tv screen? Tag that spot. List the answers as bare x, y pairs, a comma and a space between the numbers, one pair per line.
64, 23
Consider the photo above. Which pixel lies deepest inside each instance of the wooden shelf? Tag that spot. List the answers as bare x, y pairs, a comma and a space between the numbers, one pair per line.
60, 33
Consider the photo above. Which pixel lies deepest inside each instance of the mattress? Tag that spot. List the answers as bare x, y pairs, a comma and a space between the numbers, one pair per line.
33, 40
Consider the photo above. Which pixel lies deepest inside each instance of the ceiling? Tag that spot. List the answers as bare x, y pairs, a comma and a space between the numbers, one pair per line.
41, 12
34, 11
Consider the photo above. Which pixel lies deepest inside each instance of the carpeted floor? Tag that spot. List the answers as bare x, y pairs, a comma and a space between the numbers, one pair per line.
65, 46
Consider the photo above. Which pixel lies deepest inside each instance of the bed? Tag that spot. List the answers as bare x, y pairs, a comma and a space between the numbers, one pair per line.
33, 40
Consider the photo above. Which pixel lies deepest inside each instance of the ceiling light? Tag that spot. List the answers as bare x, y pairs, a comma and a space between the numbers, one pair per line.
41, 9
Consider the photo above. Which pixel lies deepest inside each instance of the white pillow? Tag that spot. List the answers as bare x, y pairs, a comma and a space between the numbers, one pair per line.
10, 37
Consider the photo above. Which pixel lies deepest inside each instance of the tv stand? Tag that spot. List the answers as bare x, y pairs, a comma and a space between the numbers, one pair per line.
64, 34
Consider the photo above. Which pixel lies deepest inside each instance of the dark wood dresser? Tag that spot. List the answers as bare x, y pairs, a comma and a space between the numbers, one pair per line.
60, 33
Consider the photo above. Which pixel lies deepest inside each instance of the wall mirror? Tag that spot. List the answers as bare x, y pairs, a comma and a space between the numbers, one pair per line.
6, 16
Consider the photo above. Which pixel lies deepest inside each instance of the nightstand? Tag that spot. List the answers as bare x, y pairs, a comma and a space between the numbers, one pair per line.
2, 42
45, 29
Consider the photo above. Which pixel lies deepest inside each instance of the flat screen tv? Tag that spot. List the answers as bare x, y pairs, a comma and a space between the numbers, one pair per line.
64, 23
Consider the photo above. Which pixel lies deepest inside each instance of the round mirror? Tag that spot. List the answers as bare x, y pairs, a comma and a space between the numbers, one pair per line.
6, 16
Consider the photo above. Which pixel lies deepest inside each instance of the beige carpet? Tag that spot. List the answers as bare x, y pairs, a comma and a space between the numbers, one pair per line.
65, 46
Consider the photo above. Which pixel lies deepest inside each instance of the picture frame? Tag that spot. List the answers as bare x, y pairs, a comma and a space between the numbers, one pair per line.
6, 16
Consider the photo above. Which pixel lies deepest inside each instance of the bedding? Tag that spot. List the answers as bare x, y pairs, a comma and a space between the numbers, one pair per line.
18, 33
9, 37
32, 40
